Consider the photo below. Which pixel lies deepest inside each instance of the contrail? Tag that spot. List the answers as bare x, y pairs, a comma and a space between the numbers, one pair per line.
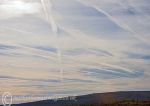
49, 17
120, 24
54, 29
33, 50
16, 29
103, 64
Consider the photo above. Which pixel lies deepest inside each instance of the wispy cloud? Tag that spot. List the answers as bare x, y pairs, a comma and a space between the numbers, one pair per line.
6, 46
100, 45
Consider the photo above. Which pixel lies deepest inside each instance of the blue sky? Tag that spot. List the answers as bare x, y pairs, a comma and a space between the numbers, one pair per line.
74, 47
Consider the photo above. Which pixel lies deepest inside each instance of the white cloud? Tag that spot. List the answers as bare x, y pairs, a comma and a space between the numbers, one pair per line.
17, 8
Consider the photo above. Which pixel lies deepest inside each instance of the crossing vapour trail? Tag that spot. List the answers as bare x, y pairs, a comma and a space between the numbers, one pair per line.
49, 15
64, 44
98, 64
54, 27
119, 23
31, 49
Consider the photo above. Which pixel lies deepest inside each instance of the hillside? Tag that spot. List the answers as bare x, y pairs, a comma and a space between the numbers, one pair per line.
126, 98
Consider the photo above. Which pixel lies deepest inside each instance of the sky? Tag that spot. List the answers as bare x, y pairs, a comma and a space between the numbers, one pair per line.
74, 47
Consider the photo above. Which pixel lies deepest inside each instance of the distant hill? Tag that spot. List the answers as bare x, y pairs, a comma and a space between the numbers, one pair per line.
98, 98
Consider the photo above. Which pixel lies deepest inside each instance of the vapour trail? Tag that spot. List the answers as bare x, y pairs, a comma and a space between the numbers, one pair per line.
102, 64
49, 17
54, 27
17, 30
120, 24
34, 51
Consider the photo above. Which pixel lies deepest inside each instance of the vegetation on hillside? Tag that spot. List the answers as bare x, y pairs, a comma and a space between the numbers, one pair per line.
121, 103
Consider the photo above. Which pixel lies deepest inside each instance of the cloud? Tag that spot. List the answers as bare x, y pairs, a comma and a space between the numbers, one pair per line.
49, 49
90, 42
83, 51
108, 73
17, 8
130, 10
28, 79
6, 47
138, 56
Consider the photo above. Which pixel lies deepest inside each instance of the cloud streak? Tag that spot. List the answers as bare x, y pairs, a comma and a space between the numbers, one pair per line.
119, 23
89, 46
